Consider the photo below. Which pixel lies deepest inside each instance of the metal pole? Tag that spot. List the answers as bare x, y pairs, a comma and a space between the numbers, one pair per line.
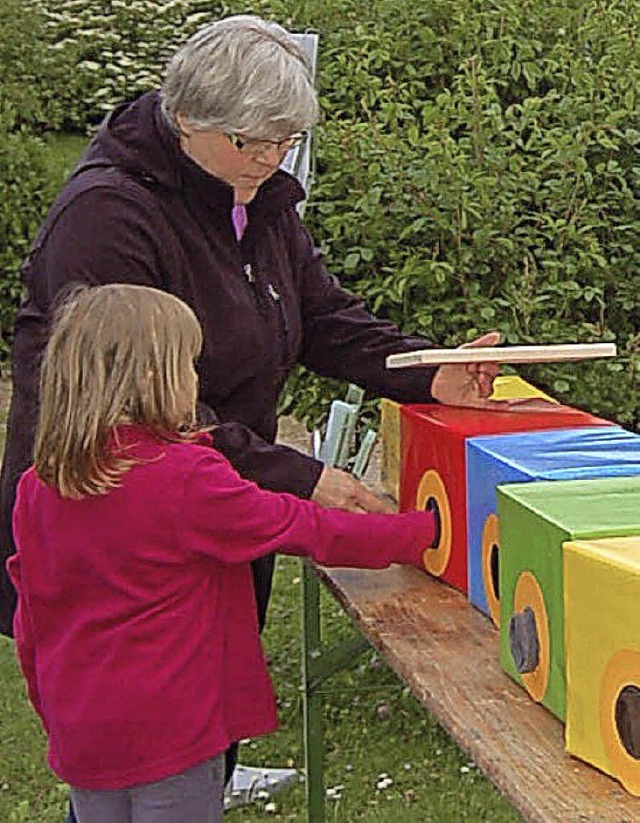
311, 698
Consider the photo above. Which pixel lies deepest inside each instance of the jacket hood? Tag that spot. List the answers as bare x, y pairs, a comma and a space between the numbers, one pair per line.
137, 138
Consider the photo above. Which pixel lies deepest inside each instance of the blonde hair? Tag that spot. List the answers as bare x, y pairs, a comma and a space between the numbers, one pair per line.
116, 353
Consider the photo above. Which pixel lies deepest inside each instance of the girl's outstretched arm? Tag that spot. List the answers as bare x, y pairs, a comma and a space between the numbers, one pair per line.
235, 521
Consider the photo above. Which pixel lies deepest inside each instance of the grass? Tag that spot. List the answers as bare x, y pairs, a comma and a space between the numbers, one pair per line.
374, 728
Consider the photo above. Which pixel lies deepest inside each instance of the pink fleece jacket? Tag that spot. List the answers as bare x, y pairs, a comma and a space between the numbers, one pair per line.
136, 627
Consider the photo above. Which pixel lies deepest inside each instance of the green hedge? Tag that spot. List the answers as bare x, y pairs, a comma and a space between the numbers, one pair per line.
31, 75
477, 162
482, 172
117, 49
33, 71
25, 191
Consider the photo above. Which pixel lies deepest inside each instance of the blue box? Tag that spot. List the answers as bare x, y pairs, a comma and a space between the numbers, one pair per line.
558, 454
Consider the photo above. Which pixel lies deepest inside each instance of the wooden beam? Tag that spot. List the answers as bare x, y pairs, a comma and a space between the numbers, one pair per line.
502, 354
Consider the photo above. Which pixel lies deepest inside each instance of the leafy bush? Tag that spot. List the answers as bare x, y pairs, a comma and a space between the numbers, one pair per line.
477, 162
25, 191
32, 73
118, 49
503, 195
31, 76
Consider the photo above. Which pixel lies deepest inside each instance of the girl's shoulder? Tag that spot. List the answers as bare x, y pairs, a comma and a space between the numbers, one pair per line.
29, 479
131, 437
30, 491
184, 453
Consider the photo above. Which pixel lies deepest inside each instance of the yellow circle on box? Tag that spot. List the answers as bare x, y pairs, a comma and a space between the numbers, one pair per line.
431, 486
490, 538
622, 670
528, 594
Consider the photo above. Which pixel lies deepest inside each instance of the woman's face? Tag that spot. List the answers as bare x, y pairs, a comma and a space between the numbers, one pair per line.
244, 170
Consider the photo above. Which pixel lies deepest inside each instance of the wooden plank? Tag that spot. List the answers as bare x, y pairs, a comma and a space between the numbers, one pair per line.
502, 354
447, 654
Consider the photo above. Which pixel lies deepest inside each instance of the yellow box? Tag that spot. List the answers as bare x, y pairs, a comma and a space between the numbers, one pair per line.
390, 447
512, 387
602, 653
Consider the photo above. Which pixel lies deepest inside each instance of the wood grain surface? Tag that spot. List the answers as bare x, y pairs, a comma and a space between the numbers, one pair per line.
447, 653
502, 354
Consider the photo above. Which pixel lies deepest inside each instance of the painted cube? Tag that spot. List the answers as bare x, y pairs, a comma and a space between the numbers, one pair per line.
389, 436
535, 520
602, 639
505, 387
512, 387
433, 467
562, 454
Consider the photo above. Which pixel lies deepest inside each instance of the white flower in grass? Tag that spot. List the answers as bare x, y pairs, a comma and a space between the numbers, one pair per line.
384, 782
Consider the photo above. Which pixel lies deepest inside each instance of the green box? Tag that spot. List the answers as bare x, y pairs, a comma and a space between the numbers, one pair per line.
535, 520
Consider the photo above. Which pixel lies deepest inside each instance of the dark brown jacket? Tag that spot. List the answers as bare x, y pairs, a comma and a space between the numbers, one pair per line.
138, 210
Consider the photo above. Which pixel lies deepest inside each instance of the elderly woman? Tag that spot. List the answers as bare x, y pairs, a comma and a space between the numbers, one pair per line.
182, 190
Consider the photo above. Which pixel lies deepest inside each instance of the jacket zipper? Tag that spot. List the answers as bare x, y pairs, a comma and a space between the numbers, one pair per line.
275, 296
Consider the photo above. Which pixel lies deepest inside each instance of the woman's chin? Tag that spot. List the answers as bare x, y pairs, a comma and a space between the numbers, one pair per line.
245, 194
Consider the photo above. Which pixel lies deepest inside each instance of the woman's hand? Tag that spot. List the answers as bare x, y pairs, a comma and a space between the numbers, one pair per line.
469, 384
336, 489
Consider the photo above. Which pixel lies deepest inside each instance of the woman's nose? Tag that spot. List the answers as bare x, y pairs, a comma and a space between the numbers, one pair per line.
270, 156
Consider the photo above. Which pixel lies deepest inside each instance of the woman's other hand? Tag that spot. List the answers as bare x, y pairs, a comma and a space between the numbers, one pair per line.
469, 384
336, 489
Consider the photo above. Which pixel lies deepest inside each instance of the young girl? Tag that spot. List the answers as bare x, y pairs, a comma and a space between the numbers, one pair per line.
134, 540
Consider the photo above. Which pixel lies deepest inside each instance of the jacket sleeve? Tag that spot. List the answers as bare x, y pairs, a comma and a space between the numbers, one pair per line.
343, 340
228, 518
272, 466
23, 632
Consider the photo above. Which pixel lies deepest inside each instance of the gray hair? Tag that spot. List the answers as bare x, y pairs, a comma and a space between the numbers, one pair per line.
241, 75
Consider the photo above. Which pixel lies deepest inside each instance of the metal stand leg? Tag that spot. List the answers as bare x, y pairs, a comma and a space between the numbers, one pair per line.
311, 699
317, 666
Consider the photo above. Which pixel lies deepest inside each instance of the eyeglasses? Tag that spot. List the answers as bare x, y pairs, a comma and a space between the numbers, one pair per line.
256, 147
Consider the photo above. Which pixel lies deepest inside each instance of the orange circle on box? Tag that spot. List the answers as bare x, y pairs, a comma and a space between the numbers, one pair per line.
436, 560
528, 594
622, 670
490, 538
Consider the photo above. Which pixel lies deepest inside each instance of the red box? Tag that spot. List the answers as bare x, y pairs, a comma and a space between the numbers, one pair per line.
433, 465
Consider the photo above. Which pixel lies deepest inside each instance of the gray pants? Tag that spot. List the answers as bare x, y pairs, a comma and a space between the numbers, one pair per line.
193, 796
